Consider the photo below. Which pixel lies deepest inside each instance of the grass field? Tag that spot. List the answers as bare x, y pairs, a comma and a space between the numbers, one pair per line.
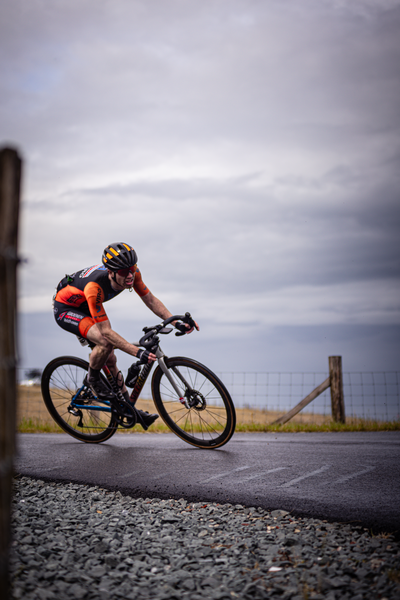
32, 417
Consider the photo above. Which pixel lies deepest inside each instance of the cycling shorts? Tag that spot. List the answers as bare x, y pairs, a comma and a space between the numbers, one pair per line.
73, 319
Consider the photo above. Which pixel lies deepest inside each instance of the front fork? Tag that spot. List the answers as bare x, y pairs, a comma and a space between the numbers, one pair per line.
161, 361
145, 371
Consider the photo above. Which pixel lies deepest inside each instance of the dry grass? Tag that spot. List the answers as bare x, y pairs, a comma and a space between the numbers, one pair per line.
253, 416
32, 416
31, 410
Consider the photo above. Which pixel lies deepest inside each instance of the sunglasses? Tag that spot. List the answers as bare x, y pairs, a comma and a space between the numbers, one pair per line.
125, 272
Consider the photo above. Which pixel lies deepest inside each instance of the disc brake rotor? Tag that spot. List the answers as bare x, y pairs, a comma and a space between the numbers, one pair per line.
195, 400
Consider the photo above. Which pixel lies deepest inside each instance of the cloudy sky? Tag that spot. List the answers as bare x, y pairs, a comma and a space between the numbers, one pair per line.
248, 150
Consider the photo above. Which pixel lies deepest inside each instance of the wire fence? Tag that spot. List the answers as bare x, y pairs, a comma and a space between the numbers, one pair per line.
367, 395
266, 396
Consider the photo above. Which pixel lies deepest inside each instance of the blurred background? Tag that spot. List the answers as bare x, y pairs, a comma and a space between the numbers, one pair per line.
248, 150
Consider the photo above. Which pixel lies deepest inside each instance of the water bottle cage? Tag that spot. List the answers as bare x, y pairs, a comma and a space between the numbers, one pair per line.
132, 375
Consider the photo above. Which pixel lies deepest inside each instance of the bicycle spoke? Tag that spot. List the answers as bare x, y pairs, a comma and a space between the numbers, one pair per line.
202, 413
64, 394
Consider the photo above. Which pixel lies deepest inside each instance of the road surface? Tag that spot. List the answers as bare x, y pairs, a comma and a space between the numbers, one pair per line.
345, 477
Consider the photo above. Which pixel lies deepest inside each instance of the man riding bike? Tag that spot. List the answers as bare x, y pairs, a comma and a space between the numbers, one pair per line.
78, 308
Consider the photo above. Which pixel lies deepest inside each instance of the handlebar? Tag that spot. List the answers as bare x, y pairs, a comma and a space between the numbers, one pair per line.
150, 332
186, 318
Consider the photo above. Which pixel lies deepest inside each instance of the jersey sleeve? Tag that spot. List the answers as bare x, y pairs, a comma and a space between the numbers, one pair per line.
95, 298
139, 286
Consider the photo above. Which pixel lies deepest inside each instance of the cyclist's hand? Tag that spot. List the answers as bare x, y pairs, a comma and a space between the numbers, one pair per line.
185, 328
189, 329
145, 356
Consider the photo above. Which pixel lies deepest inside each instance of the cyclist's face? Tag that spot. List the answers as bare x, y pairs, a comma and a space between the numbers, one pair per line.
126, 277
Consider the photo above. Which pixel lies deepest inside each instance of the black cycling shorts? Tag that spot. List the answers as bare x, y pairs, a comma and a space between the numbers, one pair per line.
73, 319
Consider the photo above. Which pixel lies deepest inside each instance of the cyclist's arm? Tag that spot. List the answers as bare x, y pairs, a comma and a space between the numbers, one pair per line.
95, 297
158, 308
115, 339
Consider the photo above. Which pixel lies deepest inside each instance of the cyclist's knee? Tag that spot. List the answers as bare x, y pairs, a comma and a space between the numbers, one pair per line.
104, 346
111, 360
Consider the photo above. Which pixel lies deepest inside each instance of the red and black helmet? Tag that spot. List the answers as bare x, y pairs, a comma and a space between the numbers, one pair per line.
119, 256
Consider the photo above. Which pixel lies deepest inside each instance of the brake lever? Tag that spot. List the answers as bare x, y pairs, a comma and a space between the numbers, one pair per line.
189, 321
182, 329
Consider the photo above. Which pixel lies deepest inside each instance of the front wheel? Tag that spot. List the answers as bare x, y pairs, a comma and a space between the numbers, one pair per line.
72, 404
203, 413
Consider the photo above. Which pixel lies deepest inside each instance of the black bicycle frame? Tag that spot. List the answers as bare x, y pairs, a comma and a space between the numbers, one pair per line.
106, 405
140, 381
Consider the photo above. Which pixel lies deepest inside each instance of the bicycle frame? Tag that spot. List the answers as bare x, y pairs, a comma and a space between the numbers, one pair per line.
140, 381
138, 387
106, 408
145, 372
193, 403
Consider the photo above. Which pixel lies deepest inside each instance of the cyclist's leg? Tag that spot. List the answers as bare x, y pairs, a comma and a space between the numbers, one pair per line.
143, 417
98, 357
111, 363
80, 323
102, 349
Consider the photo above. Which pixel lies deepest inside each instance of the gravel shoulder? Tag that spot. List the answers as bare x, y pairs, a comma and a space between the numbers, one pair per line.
87, 542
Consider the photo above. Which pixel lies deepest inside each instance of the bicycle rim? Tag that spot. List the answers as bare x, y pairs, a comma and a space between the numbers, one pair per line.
203, 414
62, 379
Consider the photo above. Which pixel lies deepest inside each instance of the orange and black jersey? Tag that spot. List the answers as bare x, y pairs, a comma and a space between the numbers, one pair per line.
90, 288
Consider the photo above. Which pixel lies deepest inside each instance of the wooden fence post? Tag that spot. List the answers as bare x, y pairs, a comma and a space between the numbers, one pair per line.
10, 179
336, 381
314, 394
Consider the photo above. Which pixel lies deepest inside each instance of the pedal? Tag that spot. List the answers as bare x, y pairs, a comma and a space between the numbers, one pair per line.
76, 412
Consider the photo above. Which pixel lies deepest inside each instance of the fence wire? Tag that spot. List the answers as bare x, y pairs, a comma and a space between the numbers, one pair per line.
367, 395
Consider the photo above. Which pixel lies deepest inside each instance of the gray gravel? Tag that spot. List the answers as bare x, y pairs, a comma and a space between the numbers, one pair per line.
75, 541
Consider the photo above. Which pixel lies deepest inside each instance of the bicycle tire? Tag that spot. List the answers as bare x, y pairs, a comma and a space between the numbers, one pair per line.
210, 422
61, 379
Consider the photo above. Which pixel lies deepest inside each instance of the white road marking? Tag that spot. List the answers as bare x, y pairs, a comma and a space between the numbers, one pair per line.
152, 478
316, 472
348, 477
51, 469
224, 474
127, 474
161, 475
261, 474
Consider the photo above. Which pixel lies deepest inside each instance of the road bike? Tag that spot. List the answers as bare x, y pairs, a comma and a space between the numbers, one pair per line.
191, 400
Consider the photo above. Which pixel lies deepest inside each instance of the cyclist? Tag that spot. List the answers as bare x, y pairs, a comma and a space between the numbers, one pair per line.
78, 308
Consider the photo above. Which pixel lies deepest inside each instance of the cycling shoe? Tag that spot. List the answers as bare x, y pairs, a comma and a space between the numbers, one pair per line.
99, 388
145, 419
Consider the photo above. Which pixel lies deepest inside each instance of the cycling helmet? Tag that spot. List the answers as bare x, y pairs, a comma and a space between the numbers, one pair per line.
119, 256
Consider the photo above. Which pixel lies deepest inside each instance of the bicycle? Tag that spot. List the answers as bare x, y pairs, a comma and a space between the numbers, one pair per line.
190, 399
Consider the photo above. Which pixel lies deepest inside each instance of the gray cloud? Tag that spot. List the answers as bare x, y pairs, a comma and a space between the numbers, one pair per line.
250, 151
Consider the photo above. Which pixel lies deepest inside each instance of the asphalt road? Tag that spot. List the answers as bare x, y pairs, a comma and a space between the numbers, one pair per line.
345, 477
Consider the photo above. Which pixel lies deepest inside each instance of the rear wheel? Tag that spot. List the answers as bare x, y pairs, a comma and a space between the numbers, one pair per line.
72, 404
203, 413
